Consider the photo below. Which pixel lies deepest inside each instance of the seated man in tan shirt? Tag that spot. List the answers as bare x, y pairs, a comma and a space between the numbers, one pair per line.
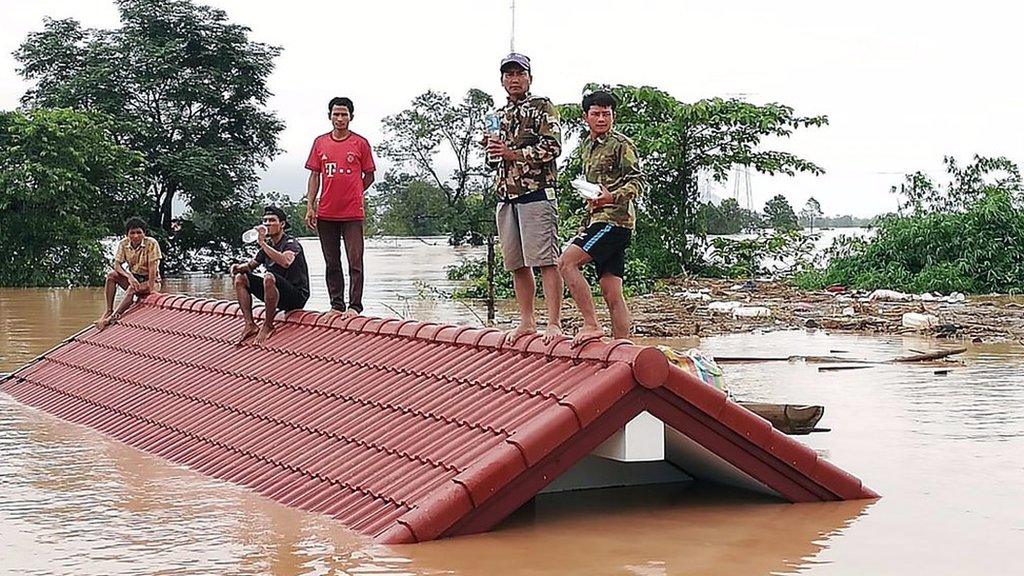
142, 255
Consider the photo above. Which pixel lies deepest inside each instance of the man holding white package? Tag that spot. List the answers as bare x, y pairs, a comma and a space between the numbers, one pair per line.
610, 161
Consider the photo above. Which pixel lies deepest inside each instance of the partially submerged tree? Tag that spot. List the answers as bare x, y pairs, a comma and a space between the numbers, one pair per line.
187, 89
966, 236
436, 143
64, 185
410, 206
811, 212
677, 142
728, 218
967, 184
779, 215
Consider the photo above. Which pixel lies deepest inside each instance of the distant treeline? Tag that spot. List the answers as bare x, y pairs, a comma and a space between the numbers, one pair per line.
844, 221
728, 217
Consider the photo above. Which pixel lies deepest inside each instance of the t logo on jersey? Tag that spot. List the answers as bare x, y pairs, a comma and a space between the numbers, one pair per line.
330, 169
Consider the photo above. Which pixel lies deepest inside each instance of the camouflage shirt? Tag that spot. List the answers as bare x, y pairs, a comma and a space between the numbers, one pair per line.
611, 160
531, 128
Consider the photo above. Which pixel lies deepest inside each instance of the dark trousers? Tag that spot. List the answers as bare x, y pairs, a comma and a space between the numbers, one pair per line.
331, 234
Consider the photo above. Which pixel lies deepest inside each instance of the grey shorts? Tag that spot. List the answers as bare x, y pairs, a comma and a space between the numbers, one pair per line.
528, 233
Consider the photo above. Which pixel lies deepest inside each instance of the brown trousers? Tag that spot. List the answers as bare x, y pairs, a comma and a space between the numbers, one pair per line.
331, 234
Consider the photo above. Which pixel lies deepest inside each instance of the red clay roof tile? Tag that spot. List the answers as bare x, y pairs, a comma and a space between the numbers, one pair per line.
402, 430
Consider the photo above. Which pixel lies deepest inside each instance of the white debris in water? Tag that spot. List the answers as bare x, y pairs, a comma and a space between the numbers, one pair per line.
724, 307
751, 312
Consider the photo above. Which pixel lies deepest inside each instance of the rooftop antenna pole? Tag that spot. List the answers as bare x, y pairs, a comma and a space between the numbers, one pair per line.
512, 37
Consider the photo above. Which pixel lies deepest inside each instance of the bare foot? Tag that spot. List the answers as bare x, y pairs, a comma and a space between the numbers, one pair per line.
102, 322
350, 313
333, 312
264, 335
551, 332
247, 331
587, 334
519, 331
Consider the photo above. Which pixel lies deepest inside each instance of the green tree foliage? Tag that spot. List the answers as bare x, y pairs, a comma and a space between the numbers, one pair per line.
845, 221
919, 194
677, 142
433, 132
811, 213
64, 185
966, 236
295, 210
779, 253
187, 89
472, 275
728, 218
779, 215
410, 206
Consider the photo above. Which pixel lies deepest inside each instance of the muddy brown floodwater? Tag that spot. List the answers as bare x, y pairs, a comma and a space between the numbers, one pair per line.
945, 452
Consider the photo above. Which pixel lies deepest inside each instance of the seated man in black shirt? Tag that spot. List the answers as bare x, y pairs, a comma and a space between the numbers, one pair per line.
284, 285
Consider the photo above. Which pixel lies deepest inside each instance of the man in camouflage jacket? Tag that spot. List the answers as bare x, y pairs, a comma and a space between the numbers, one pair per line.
523, 157
609, 159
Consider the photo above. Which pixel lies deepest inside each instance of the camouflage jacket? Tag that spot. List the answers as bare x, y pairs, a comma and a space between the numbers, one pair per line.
531, 128
611, 160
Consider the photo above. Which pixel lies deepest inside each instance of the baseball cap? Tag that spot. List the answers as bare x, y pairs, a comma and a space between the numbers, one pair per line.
275, 211
516, 58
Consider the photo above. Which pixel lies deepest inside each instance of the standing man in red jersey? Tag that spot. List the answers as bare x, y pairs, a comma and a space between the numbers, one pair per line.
340, 169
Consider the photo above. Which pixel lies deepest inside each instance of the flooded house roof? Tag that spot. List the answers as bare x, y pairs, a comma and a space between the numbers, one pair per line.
404, 431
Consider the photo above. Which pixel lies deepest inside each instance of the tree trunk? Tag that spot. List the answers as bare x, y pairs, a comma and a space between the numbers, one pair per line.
157, 194
165, 211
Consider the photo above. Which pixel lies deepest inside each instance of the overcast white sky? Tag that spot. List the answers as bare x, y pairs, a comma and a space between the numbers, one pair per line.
903, 83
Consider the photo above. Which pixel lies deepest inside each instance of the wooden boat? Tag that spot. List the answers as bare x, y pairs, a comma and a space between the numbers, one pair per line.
793, 419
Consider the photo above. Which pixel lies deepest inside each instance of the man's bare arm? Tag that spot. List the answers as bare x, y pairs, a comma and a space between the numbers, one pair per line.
367, 180
154, 266
281, 258
243, 268
120, 270
312, 188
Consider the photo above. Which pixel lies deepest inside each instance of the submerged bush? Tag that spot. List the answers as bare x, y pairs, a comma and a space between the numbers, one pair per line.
968, 237
472, 275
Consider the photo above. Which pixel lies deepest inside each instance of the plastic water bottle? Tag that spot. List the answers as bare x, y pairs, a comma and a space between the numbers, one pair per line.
492, 124
250, 235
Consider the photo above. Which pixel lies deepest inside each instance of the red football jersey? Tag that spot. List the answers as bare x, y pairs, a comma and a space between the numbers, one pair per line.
341, 164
